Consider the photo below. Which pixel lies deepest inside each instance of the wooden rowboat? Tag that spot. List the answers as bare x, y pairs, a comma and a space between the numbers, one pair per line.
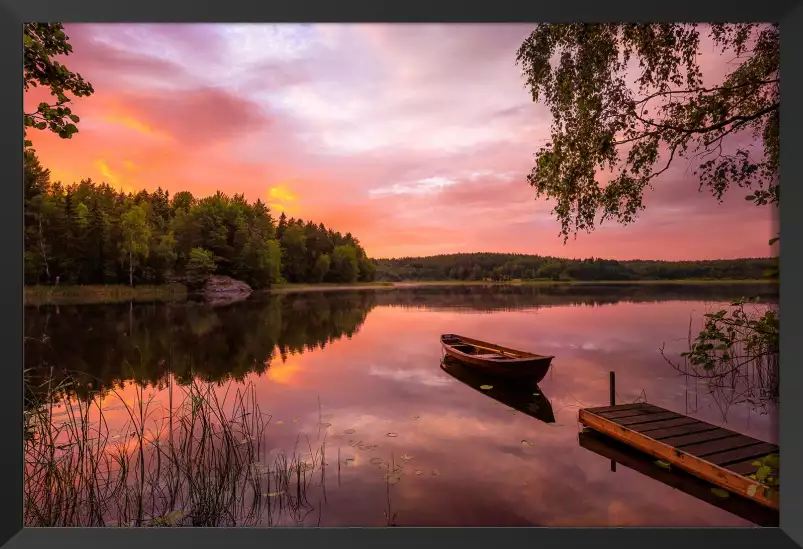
518, 394
494, 359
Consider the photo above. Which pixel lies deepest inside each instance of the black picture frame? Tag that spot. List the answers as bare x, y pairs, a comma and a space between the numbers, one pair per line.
14, 12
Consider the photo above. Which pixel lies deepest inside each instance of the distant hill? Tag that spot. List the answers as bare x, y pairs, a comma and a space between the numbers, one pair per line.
498, 266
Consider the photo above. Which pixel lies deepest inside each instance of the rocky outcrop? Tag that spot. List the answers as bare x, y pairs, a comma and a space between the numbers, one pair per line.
220, 290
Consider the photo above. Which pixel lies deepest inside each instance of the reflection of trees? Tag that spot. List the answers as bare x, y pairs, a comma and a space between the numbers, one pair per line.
111, 343
509, 298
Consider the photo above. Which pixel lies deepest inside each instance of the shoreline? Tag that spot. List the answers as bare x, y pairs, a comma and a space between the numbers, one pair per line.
107, 294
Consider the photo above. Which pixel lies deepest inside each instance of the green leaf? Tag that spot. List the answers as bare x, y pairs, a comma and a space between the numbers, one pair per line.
486, 387
752, 489
719, 492
762, 472
663, 464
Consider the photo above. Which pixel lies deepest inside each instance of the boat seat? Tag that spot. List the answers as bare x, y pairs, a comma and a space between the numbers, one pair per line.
489, 356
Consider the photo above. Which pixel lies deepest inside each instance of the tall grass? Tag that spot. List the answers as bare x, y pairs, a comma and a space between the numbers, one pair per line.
201, 460
71, 295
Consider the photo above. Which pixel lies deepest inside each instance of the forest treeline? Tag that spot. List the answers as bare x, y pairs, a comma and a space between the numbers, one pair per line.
90, 233
500, 267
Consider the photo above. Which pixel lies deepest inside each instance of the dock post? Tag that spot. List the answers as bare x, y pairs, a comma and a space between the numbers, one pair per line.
612, 398
613, 389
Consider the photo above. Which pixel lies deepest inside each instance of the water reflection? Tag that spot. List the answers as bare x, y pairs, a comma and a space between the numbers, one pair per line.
521, 395
354, 368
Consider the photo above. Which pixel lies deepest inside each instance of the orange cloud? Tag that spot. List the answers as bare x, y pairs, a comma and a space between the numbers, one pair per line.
284, 372
133, 124
279, 196
117, 178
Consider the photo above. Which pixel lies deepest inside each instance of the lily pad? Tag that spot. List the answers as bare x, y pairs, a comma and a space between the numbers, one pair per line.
435, 472
375, 461
406, 457
280, 422
392, 435
419, 472
326, 425
719, 492
486, 387
527, 443
349, 431
663, 464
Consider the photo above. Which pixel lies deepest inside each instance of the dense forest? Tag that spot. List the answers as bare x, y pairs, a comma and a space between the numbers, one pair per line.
501, 267
90, 233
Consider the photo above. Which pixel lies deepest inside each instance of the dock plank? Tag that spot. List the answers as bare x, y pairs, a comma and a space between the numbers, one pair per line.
688, 429
706, 451
619, 414
710, 447
649, 418
756, 451
647, 427
745, 468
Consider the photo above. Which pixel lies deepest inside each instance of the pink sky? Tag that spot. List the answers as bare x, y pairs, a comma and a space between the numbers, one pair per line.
415, 138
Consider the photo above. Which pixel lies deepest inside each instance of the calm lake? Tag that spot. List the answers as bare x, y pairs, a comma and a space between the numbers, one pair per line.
406, 443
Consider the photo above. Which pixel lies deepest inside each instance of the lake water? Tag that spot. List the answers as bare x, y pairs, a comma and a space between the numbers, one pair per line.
361, 370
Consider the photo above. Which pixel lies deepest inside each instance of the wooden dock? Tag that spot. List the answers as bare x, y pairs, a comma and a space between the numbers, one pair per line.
626, 456
719, 456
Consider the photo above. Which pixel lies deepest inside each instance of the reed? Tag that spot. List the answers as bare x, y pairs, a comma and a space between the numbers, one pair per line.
201, 460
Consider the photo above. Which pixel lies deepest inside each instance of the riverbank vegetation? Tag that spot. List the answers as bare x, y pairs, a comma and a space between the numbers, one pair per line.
504, 267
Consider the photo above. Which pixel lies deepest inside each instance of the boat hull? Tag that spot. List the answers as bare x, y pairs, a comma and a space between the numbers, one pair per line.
496, 360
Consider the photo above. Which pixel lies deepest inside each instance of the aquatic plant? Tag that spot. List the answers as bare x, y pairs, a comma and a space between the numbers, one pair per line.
201, 460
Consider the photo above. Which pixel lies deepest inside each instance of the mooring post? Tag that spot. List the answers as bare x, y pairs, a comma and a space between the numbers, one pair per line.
613, 389
612, 398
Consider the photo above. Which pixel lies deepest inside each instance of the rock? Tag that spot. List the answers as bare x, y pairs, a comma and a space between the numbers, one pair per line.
224, 289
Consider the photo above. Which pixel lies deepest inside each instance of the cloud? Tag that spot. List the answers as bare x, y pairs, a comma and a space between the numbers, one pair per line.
416, 138
417, 376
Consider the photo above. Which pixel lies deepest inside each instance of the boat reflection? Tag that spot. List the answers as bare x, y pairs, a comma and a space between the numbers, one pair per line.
519, 394
644, 464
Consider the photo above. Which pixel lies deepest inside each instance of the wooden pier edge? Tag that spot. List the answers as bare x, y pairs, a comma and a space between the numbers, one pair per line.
694, 465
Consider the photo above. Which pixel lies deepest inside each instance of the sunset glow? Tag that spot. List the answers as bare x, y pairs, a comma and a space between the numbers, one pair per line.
417, 139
